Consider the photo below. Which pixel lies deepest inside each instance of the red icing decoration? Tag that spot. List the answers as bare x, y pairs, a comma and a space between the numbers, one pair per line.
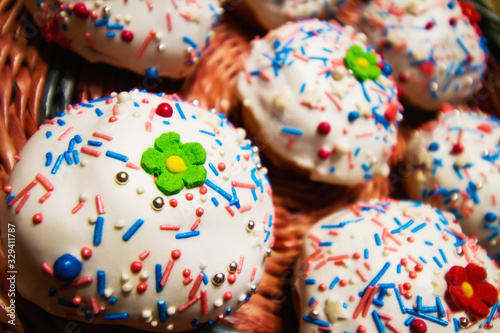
127, 36
186, 272
173, 203
189, 196
203, 190
221, 166
485, 128
429, 25
37, 218
81, 11
112, 119
469, 290
324, 128
136, 266
164, 110
77, 300
176, 254
391, 113
427, 67
418, 326
228, 295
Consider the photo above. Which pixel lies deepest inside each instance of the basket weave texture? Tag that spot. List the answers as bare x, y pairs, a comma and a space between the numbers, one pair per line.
28, 65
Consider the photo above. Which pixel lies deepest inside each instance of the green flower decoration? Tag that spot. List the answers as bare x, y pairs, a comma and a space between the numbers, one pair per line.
363, 64
176, 164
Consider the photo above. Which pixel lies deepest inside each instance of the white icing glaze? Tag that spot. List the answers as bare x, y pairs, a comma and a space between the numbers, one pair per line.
463, 181
168, 36
220, 216
434, 61
309, 84
341, 259
272, 14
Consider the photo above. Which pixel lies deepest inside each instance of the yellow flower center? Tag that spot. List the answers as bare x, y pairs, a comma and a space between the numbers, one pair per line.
175, 164
362, 63
467, 289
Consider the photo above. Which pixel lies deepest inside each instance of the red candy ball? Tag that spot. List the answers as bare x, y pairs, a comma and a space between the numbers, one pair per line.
141, 287
418, 326
324, 128
37, 218
81, 11
323, 154
86, 252
136, 266
127, 36
176, 254
164, 110
228, 295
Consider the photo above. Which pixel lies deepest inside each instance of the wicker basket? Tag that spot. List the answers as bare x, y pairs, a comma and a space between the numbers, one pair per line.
38, 79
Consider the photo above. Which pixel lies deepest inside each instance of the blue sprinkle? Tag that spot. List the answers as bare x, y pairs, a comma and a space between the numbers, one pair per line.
430, 318
61, 122
136, 104
166, 122
409, 321
267, 236
152, 73
48, 134
318, 322
101, 282
116, 156
443, 256
48, 159
101, 22
98, 230
423, 260
115, 26
67, 158
217, 189
57, 164
400, 301
325, 244
76, 157
366, 254
334, 282
290, 130
492, 313
214, 170
179, 109
311, 301
112, 299
254, 194
162, 310
189, 41
218, 142
439, 305
310, 281
158, 275
436, 260
433, 146
9, 198
215, 202
208, 133
398, 269
378, 322
116, 316
52, 292
78, 138
205, 278
456, 324
102, 99
110, 34
418, 227
187, 234
66, 303
86, 105
71, 145
94, 143
133, 229
380, 274
419, 303
377, 240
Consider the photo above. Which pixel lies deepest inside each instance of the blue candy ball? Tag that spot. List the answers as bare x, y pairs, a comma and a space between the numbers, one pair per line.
67, 267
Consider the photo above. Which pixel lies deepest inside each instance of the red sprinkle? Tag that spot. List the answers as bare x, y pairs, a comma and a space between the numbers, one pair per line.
189, 196
227, 295
77, 300
323, 154
203, 190
231, 278
221, 166
173, 203
186, 272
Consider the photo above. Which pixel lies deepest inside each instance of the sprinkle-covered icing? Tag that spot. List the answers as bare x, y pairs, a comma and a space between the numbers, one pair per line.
323, 101
436, 54
395, 267
155, 38
272, 14
454, 166
109, 233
